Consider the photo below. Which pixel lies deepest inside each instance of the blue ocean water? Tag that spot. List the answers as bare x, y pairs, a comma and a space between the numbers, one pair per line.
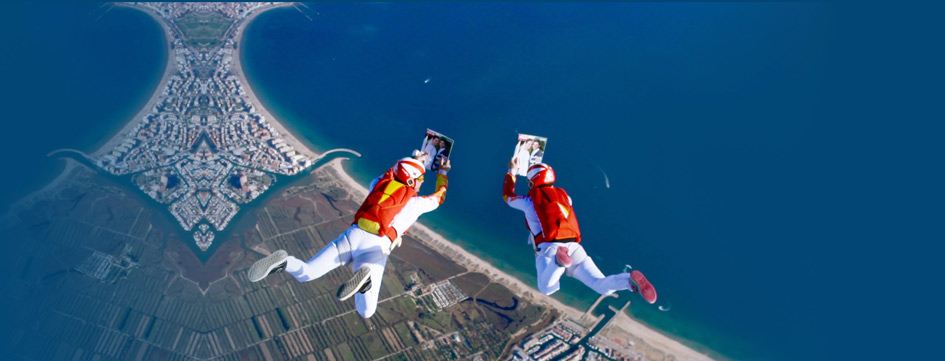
774, 167
73, 75
700, 115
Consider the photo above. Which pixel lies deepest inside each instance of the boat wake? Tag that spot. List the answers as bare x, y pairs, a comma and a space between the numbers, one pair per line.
606, 179
665, 308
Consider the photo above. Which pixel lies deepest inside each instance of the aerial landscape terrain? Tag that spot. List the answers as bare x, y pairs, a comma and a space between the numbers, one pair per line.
139, 250
774, 168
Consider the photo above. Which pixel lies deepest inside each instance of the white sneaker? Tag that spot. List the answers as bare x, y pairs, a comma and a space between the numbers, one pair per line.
268, 265
361, 282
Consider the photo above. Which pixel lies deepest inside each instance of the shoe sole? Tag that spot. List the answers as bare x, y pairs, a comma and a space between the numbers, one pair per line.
354, 284
262, 267
643, 286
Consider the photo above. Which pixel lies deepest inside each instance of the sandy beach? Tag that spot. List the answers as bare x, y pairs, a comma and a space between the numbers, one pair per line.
430, 238
171, 68
236, 69
528, 292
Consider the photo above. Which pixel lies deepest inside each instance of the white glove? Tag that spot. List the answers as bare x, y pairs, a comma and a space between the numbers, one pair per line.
396, 243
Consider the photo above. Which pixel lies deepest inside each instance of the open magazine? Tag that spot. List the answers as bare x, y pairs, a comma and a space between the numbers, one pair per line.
528, 150
438, 146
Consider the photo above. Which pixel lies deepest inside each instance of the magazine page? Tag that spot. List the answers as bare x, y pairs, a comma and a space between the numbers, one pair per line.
437, 147
529, 149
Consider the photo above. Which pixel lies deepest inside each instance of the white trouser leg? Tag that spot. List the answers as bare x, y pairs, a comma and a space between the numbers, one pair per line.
584, 270
370, 253
366, 303
548, 272
335, 254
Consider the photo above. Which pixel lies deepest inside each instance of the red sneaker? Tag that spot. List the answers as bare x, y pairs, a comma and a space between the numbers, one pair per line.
563, 259
638, 283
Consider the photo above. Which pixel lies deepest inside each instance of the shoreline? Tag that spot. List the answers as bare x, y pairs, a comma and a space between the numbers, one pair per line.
169, 69
235, 68
423, 233
31, 198
473, 263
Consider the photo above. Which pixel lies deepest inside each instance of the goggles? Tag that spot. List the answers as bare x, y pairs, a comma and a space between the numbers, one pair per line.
412, 181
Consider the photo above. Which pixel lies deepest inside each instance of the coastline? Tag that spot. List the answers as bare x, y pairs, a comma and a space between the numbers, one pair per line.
236, 69
169, 70
461, 256
662, 222
31, 198
423, 233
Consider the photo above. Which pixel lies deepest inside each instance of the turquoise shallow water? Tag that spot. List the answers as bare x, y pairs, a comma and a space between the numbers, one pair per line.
694, 112
772, 165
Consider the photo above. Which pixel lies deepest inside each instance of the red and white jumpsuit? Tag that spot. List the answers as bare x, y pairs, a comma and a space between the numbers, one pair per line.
548, 272
361, 248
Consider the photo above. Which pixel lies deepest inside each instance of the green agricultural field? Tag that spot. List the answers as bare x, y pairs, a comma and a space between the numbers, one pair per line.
439, 321
345, 352
399, 357
354, 324
375, 346
405, 336
396, 310
406, 305
392, 284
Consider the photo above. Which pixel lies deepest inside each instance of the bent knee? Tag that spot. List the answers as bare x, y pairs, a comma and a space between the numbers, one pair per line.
367, 313
548, 290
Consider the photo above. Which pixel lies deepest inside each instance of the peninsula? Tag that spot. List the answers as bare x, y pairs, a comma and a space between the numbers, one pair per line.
203, 144
100, 275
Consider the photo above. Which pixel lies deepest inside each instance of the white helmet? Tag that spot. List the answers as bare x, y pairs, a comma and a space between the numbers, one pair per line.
540, 174
406, 170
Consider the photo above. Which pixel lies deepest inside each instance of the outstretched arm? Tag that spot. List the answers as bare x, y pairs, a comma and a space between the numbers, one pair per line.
508, 186
419, 205
441, 181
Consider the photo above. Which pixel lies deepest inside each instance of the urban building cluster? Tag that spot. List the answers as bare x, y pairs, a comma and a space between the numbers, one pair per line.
202, 147
563, 341
445, 294
106, 267
177, 10
607, 349
100, 278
